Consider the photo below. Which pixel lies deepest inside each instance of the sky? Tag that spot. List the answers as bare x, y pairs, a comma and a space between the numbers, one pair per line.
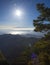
10, 21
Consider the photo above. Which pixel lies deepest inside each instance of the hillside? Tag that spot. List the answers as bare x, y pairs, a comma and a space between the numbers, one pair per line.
13, 45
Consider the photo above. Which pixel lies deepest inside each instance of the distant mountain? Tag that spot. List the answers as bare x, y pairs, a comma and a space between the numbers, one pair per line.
31, 35
13, 45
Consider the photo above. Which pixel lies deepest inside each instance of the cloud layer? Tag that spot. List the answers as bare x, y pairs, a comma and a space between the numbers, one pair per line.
14, 28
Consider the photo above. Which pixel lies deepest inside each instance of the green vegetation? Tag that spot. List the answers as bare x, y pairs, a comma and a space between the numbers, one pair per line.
40, 22
42, 47
3, 60
2, 57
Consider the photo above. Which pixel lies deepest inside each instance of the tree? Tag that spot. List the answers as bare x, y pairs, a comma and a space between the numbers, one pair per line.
42, 47
44, 16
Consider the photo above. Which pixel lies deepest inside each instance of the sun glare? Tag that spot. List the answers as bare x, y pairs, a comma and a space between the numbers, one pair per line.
15, 32
18, 13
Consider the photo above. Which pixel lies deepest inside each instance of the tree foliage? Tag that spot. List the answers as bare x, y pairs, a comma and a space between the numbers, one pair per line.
44, 16
42, 47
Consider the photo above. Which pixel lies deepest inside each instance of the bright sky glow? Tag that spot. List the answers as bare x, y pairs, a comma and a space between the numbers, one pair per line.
18, 13
16, 32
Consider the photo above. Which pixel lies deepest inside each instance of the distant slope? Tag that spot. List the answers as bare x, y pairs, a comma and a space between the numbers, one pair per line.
13, 45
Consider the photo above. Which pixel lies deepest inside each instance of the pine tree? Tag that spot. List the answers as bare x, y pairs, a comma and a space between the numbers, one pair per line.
42, 47
40, 22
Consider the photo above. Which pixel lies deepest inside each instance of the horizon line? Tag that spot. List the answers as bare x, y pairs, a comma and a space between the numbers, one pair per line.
16, 28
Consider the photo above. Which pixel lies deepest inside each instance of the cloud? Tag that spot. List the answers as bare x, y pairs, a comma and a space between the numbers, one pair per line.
15, 28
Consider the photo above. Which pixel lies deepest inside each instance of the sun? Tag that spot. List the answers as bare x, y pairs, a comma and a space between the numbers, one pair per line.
18, 13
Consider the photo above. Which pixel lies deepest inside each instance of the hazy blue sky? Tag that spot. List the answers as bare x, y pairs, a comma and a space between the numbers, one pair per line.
27, 7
